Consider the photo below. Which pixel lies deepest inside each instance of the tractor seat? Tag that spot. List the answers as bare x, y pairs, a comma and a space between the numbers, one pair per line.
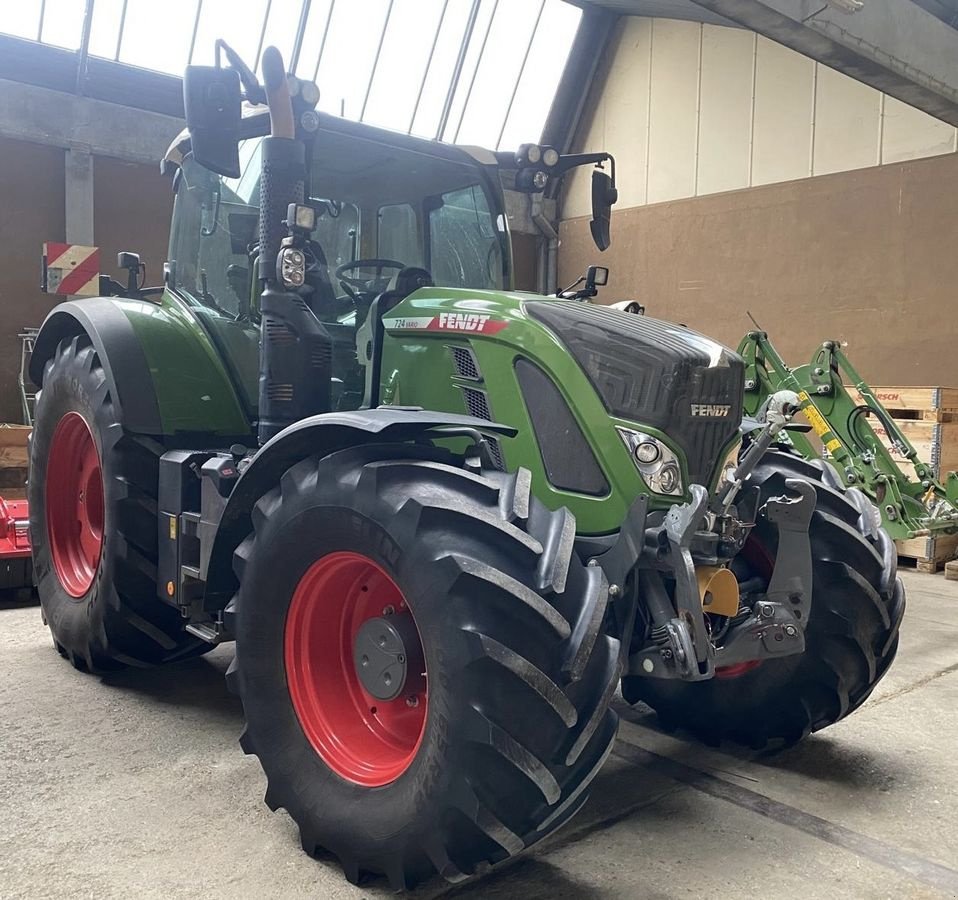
401, 285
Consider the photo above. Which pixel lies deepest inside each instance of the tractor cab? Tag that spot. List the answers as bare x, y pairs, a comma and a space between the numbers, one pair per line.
390, 213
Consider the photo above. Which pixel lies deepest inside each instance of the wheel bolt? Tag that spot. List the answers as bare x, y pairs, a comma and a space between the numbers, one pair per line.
412, 700
388, 610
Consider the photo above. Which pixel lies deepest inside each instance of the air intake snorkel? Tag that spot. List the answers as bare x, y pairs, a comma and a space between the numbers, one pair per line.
295, 350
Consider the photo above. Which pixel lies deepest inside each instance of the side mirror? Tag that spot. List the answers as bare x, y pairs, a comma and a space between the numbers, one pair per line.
604, 195
131, 262
212, 101
596, 276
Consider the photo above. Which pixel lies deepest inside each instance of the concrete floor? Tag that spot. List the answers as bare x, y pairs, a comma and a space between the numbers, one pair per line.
135, 786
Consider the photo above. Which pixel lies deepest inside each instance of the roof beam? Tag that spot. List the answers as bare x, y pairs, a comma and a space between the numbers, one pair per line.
60, 119
895, 46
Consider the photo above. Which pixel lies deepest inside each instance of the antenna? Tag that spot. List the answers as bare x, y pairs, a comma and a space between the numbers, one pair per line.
749, 314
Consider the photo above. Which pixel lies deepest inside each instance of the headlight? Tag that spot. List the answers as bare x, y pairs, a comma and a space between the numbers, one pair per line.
529, 154
669, 478
309, 91
550, 156
656, 462
647, 452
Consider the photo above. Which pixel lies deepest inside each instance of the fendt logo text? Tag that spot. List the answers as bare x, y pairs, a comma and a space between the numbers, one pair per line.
482, 323
713, 410
462, 321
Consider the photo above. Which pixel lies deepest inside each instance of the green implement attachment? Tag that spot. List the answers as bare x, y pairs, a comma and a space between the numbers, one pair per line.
912, 503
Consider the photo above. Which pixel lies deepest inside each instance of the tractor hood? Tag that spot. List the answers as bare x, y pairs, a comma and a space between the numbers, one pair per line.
657, 373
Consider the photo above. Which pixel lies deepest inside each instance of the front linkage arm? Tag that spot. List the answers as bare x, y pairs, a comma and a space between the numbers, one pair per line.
679, 643
909, 507
778, 622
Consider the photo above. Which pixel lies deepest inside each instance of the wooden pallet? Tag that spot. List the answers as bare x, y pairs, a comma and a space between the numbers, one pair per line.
928, 554
930, 404
936, 442
927, 416
14, 459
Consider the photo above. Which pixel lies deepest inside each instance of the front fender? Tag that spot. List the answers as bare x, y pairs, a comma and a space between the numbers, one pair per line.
317, 435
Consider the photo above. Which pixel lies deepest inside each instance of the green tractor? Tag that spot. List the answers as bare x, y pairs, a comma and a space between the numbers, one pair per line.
443, 521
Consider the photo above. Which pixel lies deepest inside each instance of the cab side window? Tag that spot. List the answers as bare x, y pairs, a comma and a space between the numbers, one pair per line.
398, 236
464, 248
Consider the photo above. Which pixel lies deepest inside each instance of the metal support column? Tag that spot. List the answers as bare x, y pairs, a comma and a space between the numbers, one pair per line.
78, 206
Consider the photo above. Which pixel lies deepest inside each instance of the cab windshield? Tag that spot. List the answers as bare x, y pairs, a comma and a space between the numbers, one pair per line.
380, 208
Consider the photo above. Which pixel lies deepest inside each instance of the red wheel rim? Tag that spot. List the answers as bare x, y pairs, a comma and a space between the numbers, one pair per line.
758, 557
737, 669
74, 504
363, 740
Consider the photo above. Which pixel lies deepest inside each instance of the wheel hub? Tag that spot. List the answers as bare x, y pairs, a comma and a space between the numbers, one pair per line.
381, 656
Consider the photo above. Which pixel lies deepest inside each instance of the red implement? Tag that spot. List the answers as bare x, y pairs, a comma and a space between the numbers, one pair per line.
16, 563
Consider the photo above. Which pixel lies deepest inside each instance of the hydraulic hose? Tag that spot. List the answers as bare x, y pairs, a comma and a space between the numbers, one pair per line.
857, 413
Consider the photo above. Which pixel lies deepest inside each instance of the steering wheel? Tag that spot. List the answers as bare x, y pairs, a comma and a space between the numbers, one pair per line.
377, 284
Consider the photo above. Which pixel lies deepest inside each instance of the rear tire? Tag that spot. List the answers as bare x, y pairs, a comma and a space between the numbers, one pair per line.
519, 671
851, 639
97, 591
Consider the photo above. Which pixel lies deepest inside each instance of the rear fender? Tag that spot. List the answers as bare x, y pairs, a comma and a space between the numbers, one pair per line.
317, 435
121, 355
164, 373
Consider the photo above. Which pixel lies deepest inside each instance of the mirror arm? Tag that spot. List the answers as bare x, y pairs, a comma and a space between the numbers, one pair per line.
566, 290
254, 90
573, 160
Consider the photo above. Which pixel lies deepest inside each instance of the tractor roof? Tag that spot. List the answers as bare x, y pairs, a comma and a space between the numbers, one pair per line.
256, 124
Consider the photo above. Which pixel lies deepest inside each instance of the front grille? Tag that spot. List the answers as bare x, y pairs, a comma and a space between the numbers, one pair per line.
465, 363
476, 403
566, 455
496, 452
655, 373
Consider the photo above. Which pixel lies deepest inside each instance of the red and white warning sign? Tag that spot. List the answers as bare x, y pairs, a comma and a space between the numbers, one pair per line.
71, 269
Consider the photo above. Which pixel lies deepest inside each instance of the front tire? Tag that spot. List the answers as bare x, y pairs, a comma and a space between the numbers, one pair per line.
93, 523
851, 637
513, 717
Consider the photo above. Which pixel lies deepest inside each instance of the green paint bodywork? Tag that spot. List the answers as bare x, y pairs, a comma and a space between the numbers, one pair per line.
910, 506
417, 369
194, 390
203, 386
